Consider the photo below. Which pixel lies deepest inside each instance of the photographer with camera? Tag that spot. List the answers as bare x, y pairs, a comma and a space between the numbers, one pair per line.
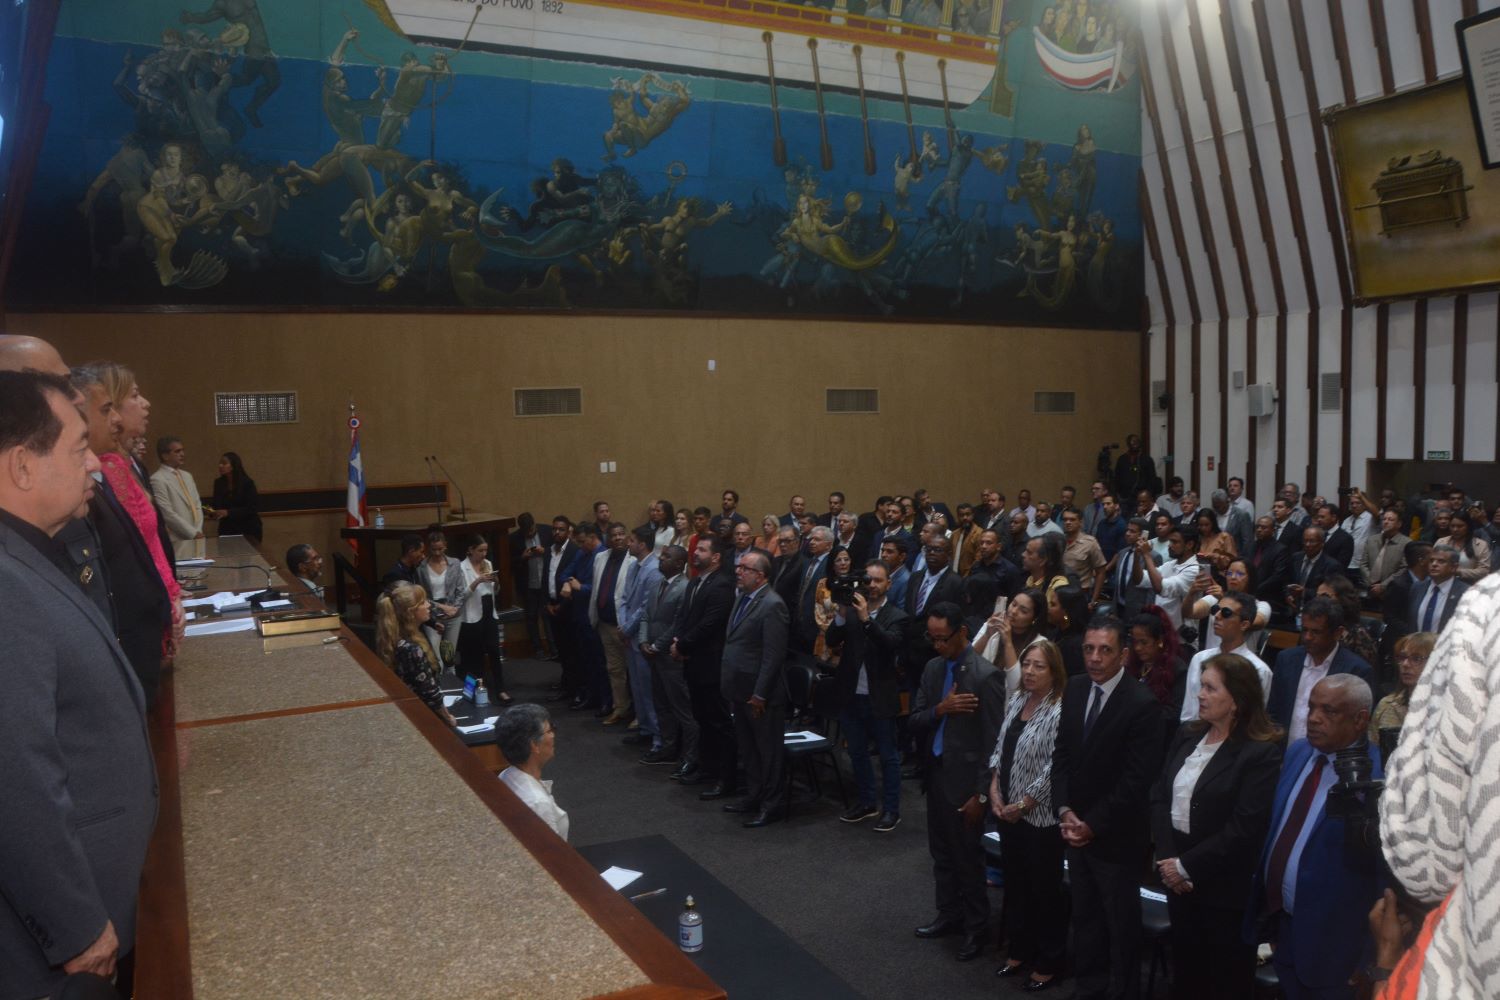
1320, 870
871, 631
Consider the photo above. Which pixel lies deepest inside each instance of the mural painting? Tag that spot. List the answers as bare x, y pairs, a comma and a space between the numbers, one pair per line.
973, 160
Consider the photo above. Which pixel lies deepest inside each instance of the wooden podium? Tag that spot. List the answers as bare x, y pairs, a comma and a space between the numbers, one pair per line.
374, 559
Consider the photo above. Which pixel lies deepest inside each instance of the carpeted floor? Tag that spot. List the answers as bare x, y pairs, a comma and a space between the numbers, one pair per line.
850, 896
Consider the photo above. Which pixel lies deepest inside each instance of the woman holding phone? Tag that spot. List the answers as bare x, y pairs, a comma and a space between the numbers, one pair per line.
480, 639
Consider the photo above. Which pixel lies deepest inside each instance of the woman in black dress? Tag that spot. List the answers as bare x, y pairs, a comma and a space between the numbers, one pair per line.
236, 502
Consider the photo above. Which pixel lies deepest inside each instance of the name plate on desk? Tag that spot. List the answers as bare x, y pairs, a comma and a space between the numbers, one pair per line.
297, 622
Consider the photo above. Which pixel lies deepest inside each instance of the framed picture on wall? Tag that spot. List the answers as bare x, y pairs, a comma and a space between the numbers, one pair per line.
1421, 213
1479, 48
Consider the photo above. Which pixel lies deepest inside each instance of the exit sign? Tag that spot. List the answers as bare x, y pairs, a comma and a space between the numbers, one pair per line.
1439, 456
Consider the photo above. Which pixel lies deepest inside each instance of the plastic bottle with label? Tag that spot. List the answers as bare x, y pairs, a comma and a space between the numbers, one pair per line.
690, 928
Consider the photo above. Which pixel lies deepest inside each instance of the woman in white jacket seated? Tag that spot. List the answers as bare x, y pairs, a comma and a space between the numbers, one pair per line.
525, 736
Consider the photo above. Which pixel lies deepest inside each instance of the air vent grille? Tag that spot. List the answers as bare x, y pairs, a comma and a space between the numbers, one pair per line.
1330, 392
853, 401
240, 408
565, 402
1053, 402
1158, 393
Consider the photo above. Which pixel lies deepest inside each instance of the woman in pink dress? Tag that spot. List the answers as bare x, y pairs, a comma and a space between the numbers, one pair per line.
128, 481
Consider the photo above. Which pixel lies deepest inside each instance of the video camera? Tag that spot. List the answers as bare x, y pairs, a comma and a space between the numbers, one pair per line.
841, 589
1355, 797
1105, 468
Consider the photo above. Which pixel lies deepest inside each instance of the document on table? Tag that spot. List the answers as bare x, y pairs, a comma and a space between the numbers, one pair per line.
801, 737
478, 728
273, 605
618, 878
220, 626
449, 700
226, 600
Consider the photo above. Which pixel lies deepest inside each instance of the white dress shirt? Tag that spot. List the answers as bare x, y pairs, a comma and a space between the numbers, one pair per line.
538, 796
1311, 674
1438, 594
1177, 578
1186, 782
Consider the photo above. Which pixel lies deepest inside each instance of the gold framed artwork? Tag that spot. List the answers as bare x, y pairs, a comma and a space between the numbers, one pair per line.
1421, 213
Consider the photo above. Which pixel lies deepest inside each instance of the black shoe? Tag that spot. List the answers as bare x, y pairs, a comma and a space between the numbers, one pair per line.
661, 755
970, 949
601, 713
689, 776
742, 806
579, 703
1037, 985
764, 818
858, 814
719, 791
635, 739
887, 822
1008, 971
940, 927
560, 696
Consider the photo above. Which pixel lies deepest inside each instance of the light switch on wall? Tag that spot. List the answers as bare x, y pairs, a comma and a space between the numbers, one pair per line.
603, 466
712, 364
612, 467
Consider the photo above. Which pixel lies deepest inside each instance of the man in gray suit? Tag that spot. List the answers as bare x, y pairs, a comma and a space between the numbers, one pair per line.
669, 690
956, 716
77, 785
752, 679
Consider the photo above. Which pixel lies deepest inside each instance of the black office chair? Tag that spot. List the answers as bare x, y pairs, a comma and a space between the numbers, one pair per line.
801, 680
1157, 927
1267, 983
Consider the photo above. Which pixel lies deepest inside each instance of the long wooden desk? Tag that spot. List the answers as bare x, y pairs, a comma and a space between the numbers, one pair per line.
311, 809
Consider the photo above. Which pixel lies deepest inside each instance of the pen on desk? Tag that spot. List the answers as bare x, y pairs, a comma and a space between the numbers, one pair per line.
647, 895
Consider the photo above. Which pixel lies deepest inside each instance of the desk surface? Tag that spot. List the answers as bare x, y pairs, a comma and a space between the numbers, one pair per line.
742, 950
321, 830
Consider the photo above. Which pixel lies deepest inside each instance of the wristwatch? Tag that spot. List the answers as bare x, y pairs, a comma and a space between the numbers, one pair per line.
984, 799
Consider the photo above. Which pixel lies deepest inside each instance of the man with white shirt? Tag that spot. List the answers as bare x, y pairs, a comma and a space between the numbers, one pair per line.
1360, 524
1298, 670
307, 566
1023, 505
1237, 498
1171, 501
1434, 600
177, 497
1232, 618
1041, 522
612, 565
1173, 581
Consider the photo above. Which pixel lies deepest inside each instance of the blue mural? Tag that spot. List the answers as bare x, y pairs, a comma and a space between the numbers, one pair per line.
971, 160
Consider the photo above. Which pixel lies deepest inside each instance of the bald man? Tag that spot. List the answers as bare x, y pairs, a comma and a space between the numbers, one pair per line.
20, 352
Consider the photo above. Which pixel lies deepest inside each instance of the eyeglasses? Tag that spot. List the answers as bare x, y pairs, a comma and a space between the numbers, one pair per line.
938, 639
1410, 658
1226, 612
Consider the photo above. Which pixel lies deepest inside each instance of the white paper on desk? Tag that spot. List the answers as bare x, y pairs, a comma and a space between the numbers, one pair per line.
272, 605
801, 737
191, 563
479, 728
619, 878
220, 626
449, 700
491, 720
220, 600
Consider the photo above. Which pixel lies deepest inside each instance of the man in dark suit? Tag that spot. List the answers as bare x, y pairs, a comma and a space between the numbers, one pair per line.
1434, 600
871, 632
936, 584
528, 574
1338, 544
1288, 527
814, 570
846, 536
669, 688
956, 716
1135, 471
1312, 889
933, 510
142, 607
891, 530
1271, 562
1312, 566
796, 507
1395, 602
787, 566
560, 554
577, 592
1108, 753
835, 508
872, 522
752, 678
404, 570
1298, 669
697, 643
78, 789
990, 562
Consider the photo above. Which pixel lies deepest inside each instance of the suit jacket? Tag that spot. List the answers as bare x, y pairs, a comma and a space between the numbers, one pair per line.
754, 660
519, 564
965, 548
1289, 533
1339, 546
1228, 818
80, 793
1106, 779
1240, 527
1335, 886
1395, 607
581, 568
601, 562
873, 645
804, 624
857, 548
143, 611
569, 551
662, 606
1286, 674
1384, 561
1321, 569
967, 739
1419, 594
917, 650
786, 577
699, 628
949, 521
644, 581
1272, 563
181, 508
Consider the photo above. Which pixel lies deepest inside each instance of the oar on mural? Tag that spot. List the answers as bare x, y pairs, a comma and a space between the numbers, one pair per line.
864, 113
911, 133
778, 144
825, 148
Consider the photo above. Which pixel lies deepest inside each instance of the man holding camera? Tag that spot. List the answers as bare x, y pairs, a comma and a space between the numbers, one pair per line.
871, 629
1319, 873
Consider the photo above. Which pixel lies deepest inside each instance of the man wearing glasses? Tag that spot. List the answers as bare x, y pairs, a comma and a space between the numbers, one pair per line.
752, 679
956, 716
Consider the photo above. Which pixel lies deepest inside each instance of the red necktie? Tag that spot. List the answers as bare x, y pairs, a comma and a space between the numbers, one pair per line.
1282, 852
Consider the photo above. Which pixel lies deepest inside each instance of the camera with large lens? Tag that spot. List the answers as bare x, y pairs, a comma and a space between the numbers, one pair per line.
841, 589
1355, 797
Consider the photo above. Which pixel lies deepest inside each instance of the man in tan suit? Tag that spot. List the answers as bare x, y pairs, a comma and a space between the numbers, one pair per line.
177, 496
1385, 553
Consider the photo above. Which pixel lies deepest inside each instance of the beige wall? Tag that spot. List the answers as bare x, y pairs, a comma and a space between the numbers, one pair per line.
955, 404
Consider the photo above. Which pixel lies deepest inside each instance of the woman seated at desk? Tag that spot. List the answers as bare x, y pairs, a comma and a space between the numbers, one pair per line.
525, 736
399, 614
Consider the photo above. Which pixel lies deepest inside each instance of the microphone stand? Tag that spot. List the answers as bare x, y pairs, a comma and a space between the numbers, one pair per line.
268, 594
463, 509
437, 494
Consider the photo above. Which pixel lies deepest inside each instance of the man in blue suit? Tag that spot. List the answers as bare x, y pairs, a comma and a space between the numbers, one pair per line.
1298, 670
1434, 599
1313, 889
576, 590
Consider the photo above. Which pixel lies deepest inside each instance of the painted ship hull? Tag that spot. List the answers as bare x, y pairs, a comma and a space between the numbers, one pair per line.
718, 38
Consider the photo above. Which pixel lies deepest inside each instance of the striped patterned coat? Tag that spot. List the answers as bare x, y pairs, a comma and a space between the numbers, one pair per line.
1440, 814
1031, 767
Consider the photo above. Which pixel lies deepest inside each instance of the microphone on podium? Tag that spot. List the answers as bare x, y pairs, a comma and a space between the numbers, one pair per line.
463, 509
437, 494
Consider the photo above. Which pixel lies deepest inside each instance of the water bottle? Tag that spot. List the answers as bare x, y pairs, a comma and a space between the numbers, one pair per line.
481, 696
379, 518
690, 928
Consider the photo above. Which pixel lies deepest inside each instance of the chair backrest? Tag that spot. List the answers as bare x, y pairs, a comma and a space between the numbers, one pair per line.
800, 677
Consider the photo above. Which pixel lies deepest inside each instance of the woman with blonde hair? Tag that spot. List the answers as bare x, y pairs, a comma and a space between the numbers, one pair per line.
770, 527
399, 614
1411, 655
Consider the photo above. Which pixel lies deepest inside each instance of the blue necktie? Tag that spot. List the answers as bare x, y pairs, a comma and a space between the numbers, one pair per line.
739, 611
1432, 602
937, 739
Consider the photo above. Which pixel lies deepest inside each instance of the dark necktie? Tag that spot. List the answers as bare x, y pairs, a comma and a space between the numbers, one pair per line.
1433, 600
1281, 854
739, 611
1094, 707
